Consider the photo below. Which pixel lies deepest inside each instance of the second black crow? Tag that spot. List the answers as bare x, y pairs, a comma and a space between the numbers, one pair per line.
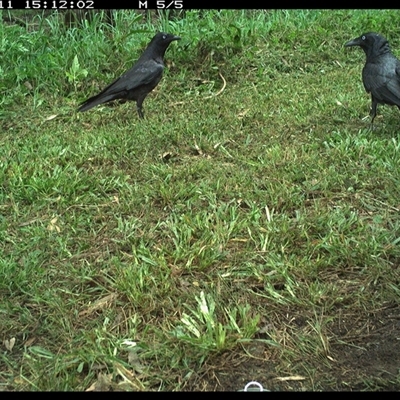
381, 72
138, 81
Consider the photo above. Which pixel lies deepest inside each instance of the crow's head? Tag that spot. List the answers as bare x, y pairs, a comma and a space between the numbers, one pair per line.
372, 43
166, 37
162, 40
159, 44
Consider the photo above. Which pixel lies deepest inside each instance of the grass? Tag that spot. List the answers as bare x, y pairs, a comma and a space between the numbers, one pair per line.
134, 253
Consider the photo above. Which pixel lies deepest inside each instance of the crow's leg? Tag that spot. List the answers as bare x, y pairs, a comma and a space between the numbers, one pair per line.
140, 112
139, 107
372, 113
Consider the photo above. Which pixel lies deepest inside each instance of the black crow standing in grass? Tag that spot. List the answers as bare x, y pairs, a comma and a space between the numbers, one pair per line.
138, 81
381, 72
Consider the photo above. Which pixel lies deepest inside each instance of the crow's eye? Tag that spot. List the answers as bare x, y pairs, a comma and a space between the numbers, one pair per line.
363, 37
164, 36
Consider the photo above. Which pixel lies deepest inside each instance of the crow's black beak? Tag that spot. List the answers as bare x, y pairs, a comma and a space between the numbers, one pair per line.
354, 42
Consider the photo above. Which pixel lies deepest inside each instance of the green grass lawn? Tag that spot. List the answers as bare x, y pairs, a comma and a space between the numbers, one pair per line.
252, 205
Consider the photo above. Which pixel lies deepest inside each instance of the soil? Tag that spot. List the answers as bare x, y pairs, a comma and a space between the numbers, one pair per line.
364, 355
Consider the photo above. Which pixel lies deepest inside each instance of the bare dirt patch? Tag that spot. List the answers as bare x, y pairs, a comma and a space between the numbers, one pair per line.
365, 353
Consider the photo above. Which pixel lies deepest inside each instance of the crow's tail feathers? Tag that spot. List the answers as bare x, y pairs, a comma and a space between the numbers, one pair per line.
95, 101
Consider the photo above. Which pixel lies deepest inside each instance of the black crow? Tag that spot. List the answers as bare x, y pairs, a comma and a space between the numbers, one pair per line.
381, 72
138, 81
